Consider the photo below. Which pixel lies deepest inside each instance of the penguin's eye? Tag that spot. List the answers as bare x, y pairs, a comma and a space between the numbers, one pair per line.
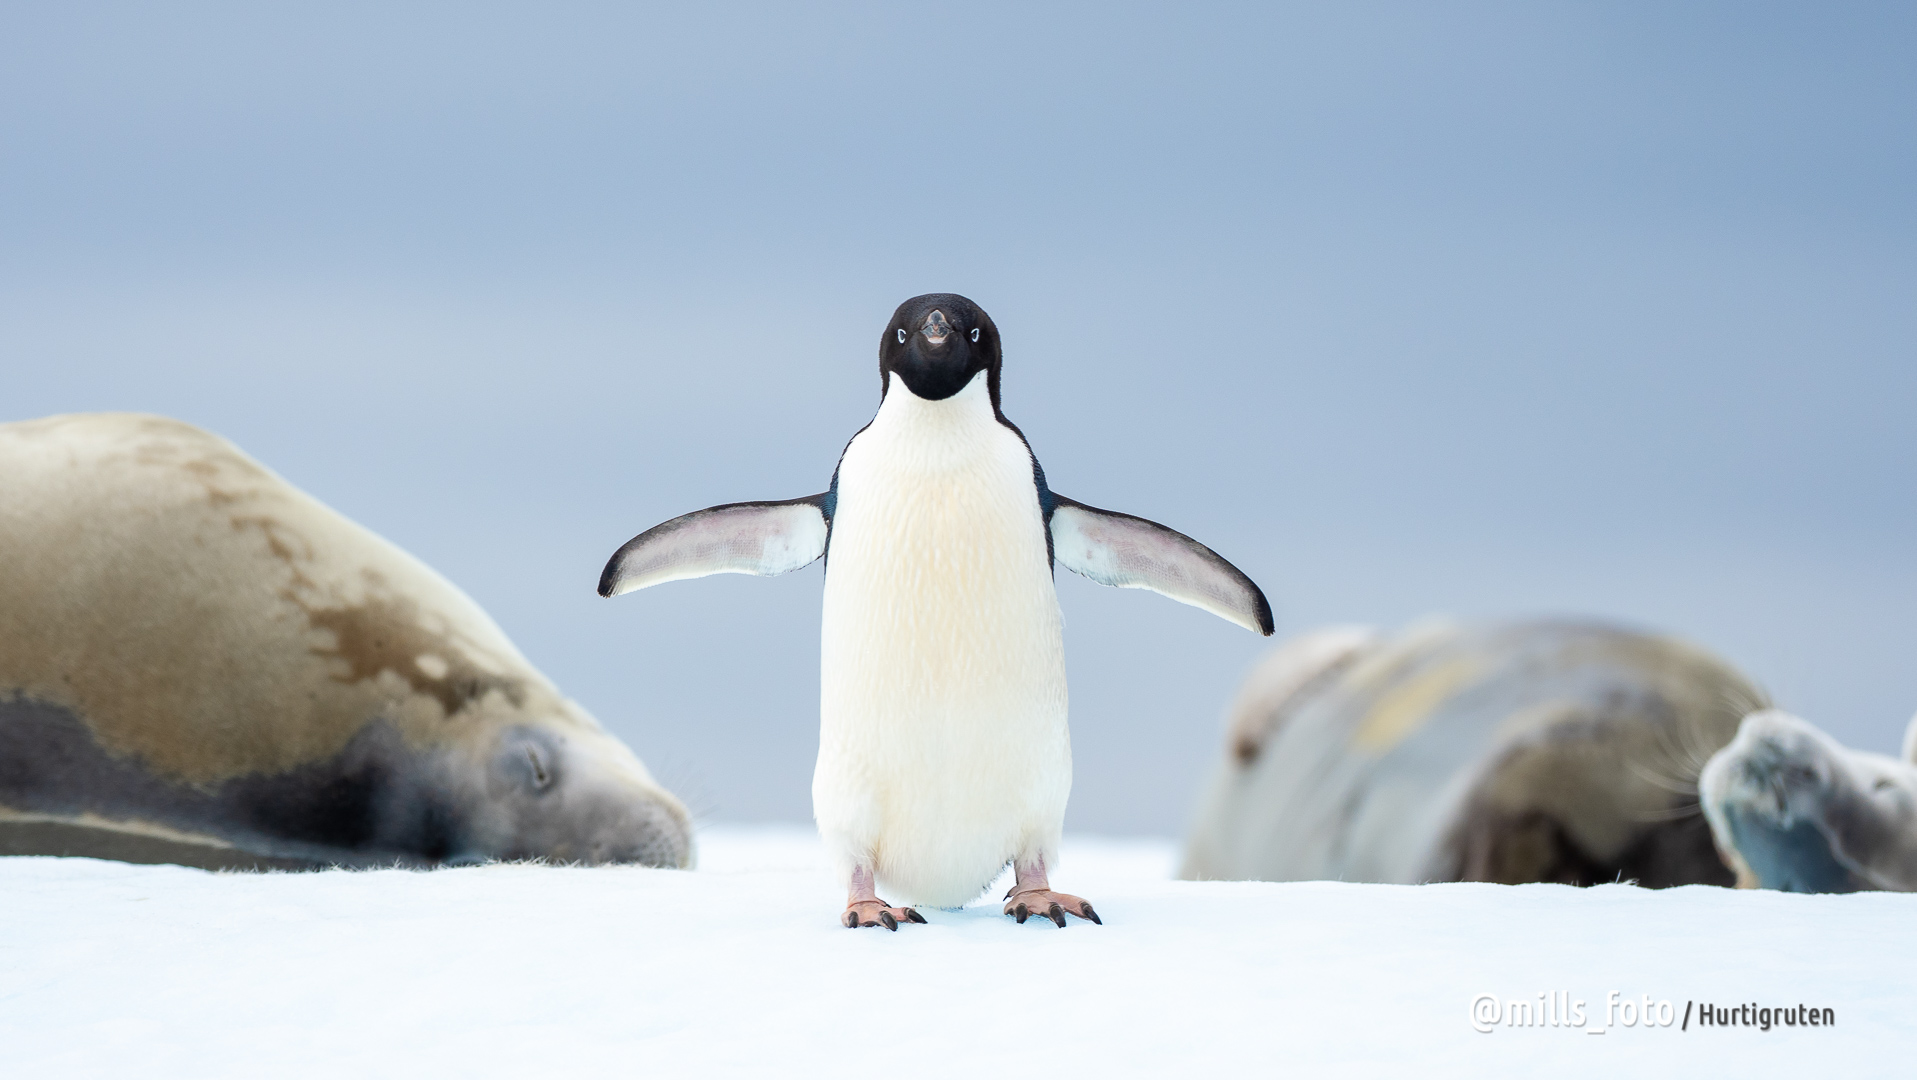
974, 333
901, 336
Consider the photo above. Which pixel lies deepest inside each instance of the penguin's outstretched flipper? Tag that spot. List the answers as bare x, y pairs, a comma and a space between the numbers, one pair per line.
762, 538
1132, 553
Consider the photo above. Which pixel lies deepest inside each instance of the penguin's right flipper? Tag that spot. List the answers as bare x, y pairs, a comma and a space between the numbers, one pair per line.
763, 538
1133, 553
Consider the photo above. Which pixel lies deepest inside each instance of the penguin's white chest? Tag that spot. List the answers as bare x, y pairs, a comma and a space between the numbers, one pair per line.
943, 749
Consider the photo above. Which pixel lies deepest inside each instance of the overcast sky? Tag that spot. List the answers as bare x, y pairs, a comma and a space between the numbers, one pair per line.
1488, 310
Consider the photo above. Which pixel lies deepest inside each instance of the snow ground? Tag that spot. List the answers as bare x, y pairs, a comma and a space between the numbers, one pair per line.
739, 969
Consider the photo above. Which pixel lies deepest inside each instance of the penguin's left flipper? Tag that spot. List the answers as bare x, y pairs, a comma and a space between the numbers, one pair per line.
1132, 553
763, 538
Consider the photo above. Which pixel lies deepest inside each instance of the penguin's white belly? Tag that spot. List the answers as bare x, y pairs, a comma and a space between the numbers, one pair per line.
943, 748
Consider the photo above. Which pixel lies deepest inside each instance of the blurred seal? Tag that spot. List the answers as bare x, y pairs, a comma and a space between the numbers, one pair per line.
201, 664
1793, 809
1542, 751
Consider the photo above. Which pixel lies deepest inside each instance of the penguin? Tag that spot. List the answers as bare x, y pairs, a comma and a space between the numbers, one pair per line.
943, 748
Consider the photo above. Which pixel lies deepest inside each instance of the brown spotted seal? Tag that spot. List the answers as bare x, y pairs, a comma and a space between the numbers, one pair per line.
1536, 751
201, 664
1794, 809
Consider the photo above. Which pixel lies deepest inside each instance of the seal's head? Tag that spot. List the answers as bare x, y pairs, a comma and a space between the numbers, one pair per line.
1794, 810
937, 344
568, 791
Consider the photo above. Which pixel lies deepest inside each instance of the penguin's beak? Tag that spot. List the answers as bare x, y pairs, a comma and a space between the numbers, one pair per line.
936, 329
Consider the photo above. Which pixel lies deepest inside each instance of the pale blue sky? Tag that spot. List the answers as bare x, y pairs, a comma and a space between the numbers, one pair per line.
1481, 309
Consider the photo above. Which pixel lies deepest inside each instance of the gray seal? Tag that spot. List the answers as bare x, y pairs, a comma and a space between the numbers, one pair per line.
1535, 751
201, 664
1793, 809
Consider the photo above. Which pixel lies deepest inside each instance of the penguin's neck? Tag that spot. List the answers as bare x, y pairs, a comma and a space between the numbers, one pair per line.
938, 436
938, 509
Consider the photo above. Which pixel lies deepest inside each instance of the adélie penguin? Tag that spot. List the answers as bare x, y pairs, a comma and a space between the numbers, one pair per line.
943, 749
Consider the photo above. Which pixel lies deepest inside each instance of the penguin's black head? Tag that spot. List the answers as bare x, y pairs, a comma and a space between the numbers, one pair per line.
936, 344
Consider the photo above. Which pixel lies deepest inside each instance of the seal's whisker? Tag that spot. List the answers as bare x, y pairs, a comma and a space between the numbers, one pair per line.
1670, 813
1668, 783
1675, 742
1699, 747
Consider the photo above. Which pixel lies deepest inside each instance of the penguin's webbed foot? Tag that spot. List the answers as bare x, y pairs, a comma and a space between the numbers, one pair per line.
877, 913
1021, 905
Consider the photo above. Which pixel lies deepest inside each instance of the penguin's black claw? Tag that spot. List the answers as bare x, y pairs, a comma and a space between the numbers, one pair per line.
1053, 905
878, 913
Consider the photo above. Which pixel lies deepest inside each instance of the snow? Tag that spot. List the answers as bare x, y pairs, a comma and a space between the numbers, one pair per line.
740, 969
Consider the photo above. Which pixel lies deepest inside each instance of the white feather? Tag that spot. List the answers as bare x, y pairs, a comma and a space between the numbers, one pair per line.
943, 747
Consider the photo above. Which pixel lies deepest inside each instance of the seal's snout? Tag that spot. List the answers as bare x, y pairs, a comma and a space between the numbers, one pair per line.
1761, 771
1777, 759
575, 794
936, 329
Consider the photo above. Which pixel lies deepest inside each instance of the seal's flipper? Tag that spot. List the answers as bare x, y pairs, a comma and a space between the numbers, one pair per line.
763, 538
1132, 553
